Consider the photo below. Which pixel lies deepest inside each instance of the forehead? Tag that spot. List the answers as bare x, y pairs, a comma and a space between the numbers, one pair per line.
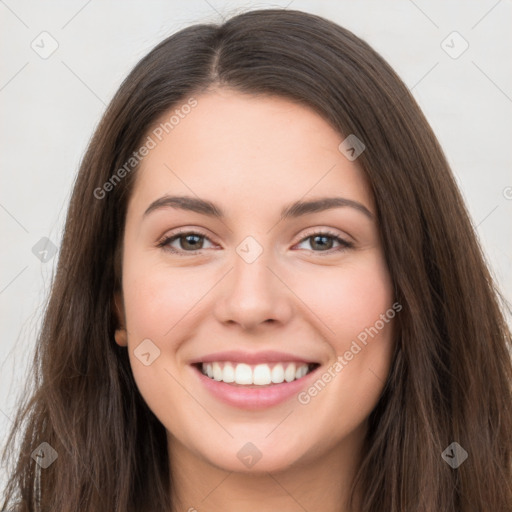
255, 151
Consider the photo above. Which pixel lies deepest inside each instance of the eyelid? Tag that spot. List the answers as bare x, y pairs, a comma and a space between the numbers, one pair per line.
344, 243
319, 231
165, 239
324, 231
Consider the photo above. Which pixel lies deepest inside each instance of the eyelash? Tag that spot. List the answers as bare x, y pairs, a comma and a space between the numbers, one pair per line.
164, 243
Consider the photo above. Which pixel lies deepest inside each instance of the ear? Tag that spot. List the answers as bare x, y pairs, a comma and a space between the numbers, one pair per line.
120, 334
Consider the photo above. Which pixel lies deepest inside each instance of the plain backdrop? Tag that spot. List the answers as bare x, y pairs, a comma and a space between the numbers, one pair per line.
51, 104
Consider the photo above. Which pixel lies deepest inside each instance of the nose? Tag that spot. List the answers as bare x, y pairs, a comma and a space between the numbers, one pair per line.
253, 294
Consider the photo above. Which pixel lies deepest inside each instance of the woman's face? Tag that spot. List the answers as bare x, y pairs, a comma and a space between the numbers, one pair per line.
255, 295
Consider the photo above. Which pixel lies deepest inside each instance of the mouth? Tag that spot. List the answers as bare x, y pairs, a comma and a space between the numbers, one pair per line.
254, 380
260, 375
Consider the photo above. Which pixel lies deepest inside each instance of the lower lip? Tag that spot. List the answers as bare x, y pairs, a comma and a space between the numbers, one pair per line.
254, 397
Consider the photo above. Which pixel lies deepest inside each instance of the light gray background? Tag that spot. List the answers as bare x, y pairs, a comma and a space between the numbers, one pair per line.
51, 106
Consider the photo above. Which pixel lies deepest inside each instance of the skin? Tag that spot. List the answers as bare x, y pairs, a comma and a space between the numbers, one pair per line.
253, 155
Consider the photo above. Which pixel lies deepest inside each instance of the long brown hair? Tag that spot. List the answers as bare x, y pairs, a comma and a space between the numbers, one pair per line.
451, 375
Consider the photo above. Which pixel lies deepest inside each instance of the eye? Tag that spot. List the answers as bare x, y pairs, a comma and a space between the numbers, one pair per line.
187, 241
324, 241
192, 241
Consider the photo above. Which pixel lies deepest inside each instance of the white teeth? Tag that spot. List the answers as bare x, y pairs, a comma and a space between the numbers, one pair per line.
217, 371
278, 374
259, 375
228, 374
289, 373
300, 372
243, 374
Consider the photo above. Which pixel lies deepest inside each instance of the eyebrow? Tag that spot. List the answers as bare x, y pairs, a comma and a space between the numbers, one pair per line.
294, 210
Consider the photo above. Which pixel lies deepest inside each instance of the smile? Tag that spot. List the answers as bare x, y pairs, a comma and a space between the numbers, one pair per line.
264, 374
253, 381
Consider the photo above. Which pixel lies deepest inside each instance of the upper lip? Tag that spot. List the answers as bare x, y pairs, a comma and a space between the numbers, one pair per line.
268, 356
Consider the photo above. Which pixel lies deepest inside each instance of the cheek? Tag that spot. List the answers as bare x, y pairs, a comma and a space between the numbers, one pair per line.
157, 298
350, 297
159, 305
355, 302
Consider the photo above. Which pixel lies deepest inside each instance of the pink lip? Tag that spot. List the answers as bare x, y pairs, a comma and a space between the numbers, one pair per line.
257, 397
251, 357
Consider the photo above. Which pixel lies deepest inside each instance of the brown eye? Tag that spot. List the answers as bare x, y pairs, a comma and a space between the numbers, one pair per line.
184, 242
323, 242
192, 242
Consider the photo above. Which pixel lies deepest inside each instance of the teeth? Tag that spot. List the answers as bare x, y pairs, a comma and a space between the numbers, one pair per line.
217, 371
289, 373
259, 375
243, 374
278, 374
228, 374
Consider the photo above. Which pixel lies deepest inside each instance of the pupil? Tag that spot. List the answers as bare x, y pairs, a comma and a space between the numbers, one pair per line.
188, 237
321, 244
323, 237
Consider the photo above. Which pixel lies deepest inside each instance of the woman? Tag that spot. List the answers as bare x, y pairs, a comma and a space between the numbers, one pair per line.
269, 295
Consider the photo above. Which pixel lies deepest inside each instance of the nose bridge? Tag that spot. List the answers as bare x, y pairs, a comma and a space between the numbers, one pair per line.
252, 293
252, 281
